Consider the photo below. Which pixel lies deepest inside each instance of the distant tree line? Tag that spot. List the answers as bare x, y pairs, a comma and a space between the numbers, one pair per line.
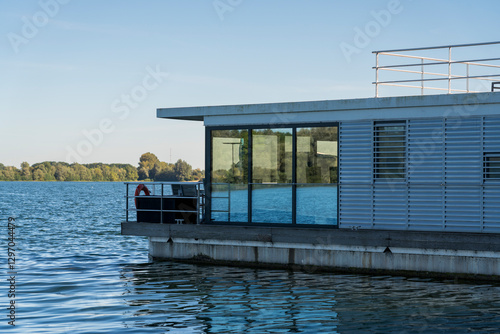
150, 169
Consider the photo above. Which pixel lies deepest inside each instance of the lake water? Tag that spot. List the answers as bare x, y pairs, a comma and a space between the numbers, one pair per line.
77, 274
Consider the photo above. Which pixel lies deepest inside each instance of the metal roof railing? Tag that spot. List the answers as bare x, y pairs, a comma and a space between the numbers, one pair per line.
421, 65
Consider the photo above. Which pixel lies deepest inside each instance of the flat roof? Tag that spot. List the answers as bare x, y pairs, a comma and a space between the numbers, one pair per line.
338, 110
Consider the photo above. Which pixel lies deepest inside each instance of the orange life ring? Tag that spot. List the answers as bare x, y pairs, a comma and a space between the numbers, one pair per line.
140, 187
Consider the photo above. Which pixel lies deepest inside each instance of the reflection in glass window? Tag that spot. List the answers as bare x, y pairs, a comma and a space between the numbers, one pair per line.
230, 175
317, 155
272, 153
272, 203
317, 175
282, 190
272, 156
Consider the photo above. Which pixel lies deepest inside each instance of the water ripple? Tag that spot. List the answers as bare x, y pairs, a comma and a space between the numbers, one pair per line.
77, 274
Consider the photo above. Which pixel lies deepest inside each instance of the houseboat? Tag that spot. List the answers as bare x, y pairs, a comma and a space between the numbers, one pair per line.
400, 185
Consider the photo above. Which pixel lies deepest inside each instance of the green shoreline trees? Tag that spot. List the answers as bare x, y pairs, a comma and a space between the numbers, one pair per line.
150, 169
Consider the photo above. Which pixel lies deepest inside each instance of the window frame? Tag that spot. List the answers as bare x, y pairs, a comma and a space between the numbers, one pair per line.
376, 150
250, 128
487, 174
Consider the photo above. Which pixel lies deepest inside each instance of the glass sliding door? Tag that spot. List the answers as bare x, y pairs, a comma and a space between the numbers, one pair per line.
229, 175
272, 164
317, 175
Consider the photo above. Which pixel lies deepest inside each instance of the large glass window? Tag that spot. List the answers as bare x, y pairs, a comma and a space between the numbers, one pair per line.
280, 175
230, 175
389, 150
272, 151
317, 175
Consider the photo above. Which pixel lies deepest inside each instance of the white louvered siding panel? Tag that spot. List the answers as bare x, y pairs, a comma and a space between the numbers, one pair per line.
355, 174
463, 157
425, 174
390, 208
491, 134
355, 150
491, 208
390, 200
425, 151
355, 206
491, 190
463, 208
463, 174
445, 189
426, 208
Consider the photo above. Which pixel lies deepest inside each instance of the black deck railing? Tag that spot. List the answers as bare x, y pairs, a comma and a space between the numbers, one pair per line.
165, 202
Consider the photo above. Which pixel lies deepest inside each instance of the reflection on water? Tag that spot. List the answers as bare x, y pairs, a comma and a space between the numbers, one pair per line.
77, 274
207, 299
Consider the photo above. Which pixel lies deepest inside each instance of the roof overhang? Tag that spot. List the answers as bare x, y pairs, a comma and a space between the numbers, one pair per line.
334, 110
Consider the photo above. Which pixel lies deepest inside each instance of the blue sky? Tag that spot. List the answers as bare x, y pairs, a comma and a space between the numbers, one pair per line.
67, 67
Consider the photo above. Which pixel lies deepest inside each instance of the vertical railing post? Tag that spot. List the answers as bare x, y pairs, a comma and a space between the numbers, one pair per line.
422, 77
229, 202
161, 205
126, 203
467, 78
376, 74
449, 70
198, 199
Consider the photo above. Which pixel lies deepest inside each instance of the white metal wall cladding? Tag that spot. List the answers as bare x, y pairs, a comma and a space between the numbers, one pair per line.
491, 189
463, 174
356, 174
444, 188
425, 156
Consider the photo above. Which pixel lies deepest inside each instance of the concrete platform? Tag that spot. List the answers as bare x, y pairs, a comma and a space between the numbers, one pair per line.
429, 254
